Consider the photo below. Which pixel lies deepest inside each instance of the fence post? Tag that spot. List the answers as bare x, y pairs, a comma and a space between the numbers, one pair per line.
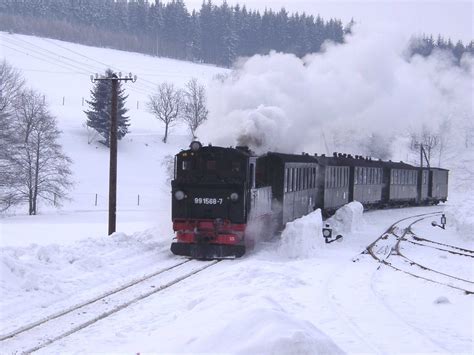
138, 200
82, 101
96, 199
63, 100
138, 104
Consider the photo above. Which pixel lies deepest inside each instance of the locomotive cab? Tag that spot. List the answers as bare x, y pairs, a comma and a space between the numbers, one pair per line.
209, 199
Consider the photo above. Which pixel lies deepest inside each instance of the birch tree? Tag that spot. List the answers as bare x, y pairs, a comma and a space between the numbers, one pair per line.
166, 104
194, 105
39, 170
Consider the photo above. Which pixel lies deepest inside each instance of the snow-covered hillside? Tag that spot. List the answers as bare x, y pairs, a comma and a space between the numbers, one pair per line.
61, 72
296, 295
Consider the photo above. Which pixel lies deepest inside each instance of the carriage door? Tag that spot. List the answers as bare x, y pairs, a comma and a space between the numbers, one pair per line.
252, 162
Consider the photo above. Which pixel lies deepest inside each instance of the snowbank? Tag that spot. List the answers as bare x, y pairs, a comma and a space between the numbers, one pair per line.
460, 215
347, 219
41, 276
303, 237
267, 331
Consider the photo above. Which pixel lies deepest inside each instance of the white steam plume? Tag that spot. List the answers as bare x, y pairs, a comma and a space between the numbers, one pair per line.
283, 103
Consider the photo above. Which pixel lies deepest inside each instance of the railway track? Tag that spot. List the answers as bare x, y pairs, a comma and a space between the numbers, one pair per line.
40, 334
439, 246
387, 251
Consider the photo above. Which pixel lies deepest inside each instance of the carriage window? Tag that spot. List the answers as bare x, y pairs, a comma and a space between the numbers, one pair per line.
286, 180
300, 180
297, 187
303, 178
290, 179
293, 179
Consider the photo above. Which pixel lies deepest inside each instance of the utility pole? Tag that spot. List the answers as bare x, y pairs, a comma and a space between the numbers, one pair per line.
113, 145
423, 154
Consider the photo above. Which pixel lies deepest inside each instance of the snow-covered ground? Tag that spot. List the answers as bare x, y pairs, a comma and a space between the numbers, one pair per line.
295, 295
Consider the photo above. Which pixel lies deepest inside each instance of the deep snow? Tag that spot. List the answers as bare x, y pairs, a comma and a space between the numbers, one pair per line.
293, 295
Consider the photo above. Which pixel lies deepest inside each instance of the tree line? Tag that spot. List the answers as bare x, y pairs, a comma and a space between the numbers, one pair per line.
33, 167
426, 45
214, 34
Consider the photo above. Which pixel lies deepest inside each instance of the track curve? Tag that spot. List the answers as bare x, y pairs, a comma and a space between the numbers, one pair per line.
388, 246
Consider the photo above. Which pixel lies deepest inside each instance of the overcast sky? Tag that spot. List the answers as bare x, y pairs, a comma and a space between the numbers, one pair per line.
452, 18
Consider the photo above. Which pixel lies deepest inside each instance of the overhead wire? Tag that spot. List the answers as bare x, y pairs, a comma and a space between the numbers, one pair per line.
151, 84
60, 60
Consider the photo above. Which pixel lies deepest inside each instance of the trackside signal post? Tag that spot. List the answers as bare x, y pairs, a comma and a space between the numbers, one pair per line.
113, 145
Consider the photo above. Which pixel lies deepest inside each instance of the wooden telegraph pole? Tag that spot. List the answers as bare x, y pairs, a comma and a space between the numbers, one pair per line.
113, 145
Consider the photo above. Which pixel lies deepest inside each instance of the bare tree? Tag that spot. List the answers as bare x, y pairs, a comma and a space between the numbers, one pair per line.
427, 138
38, 168
194, 105
165, 104
11, 84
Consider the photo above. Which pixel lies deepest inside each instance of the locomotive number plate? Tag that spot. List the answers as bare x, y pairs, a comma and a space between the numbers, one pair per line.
208, 201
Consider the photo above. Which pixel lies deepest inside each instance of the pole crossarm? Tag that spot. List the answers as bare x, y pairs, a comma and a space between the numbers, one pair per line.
113, 144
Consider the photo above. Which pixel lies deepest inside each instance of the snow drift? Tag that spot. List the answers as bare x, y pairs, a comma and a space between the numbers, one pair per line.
302, 238
347, 219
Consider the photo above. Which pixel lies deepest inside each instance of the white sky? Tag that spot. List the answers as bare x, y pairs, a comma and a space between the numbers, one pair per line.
451, 18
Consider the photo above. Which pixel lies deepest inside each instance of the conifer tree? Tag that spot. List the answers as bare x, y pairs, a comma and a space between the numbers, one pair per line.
98, 115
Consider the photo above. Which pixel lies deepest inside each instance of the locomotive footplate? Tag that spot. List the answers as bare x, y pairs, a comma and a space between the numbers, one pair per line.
207, 251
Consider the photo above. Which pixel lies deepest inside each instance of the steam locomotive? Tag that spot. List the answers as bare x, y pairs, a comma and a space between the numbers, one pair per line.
219, 194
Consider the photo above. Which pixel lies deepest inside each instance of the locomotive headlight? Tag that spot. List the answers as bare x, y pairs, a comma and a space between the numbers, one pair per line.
179, 195
195, 146
234, 196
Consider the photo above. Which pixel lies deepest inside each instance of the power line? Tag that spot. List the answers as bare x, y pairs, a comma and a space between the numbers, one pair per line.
55, 59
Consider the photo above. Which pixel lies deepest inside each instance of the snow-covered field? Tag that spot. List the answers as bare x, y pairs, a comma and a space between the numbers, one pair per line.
295, 295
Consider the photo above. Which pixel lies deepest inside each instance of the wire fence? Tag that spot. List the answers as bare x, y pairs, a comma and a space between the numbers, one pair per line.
82, 102
124, 201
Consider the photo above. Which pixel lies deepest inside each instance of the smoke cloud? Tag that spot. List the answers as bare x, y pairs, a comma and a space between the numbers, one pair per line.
324, 101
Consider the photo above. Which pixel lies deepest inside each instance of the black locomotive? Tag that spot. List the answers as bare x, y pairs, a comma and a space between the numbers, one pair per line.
219, 193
